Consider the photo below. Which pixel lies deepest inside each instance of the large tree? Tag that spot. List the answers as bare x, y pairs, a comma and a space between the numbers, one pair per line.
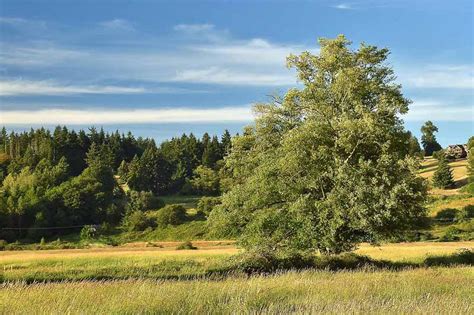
327, 166
428, 138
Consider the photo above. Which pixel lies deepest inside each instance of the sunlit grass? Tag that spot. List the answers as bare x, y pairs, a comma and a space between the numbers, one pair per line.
429, 291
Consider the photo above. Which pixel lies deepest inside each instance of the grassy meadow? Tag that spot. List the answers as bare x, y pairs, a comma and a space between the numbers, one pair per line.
164, 280
433, 291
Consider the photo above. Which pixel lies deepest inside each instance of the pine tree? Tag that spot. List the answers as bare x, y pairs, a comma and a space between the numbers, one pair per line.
443, 177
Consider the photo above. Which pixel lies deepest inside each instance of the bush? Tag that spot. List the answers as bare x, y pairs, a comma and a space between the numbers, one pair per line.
448, 214
186, 245
171, 215
469, 189
88, 232
143, 201
3, 244
451, 235
137, 221
206, 204
466, 213
462, 257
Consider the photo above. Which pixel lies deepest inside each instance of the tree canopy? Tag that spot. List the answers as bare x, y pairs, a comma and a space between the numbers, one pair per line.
326, 166
428, 138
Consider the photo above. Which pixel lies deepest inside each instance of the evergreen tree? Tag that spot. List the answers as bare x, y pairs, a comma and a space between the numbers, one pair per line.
470, 158
443, 176
226, 143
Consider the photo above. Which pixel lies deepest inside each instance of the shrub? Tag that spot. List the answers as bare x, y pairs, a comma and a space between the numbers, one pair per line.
451, 235
466, 213
143, 201
469, 189
448, 214
137, 221
206, 204
3, 244
186, 245
462, 257
171, 215
88, 232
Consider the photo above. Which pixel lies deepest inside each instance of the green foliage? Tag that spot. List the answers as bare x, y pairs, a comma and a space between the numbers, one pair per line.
143, 201
206, 204
443, 177
428, 138
447, 214
451, 235
137, 221
470, 159
186, 246
439, 154
171, 215
469, 188
462, 257
88, 232
327, 166
3, 244
466, 213
205, 181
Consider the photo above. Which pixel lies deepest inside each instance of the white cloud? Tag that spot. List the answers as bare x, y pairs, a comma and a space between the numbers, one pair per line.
194, 28
422, 110
343, 6
117, 24
255, 62
216, 75
440, 76
20, 87
129, 116
22, 23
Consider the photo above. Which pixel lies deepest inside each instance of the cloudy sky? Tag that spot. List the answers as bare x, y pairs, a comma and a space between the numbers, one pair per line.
161, 68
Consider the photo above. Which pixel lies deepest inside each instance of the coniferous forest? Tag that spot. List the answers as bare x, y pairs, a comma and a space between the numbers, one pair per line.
62, 180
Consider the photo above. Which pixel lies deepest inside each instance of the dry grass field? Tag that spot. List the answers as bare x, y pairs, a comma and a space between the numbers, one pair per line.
140, 280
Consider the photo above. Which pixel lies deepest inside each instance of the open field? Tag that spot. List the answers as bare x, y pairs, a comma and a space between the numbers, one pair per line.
137, 279
434, 291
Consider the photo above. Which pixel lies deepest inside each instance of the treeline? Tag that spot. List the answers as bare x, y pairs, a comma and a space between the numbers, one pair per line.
64, 179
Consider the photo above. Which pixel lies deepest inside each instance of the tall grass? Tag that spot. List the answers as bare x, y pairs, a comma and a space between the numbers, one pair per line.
429, 291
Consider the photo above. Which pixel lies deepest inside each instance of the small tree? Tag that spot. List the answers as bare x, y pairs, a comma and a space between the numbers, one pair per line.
443, 177
205, 180
206, 204
171, 215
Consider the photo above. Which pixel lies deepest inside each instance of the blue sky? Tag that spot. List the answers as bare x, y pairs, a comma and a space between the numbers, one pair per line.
161, 68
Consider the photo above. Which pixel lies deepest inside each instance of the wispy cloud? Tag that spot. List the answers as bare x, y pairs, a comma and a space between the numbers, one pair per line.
117, 24
220, 60
194, 28
421, 110
20, 22
130, 116
21, 87
440, 76
343, 6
